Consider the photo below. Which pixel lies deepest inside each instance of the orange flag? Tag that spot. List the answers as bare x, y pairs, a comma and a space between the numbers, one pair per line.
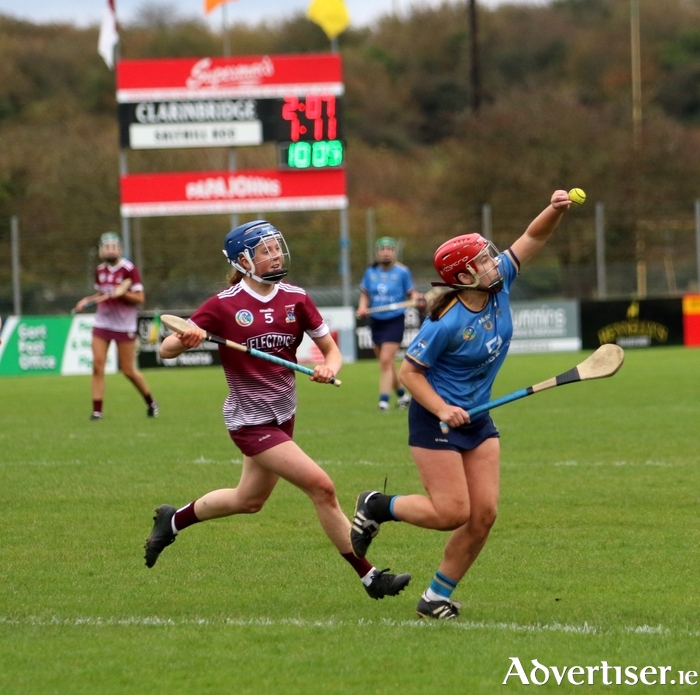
209, 5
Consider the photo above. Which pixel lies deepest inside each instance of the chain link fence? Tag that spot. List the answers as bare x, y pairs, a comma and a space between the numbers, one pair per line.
648, 252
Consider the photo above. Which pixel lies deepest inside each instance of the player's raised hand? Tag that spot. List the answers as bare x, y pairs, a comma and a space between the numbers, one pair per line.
560, 200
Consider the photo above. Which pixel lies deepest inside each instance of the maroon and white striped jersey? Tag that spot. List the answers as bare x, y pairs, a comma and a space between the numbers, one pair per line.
260, 391
117, 314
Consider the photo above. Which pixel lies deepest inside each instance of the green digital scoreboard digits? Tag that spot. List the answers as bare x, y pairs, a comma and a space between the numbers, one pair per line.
309, 133
318, 154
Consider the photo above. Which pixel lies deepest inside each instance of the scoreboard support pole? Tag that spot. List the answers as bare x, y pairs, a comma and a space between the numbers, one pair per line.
126, 228
345, 256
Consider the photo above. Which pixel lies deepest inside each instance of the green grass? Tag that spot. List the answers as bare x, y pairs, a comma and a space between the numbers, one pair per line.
594, 555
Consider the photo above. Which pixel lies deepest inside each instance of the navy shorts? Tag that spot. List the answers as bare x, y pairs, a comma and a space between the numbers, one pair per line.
254, 439
387, 331
424, 431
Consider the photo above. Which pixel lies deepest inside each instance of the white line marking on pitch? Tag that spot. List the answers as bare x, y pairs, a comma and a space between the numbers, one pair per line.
155, 621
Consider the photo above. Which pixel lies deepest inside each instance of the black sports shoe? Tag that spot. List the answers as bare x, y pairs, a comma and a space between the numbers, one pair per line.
152, 410
162, 534
363, 528
440, 610
385, 584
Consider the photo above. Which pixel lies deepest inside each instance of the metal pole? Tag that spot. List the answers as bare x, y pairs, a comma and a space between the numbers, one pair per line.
697, 237
486, 226
636, 74
345, 255
138, 246
232, 167
126, 229
370, 234
641, 247
475, 73
224, 32
16, 288
640, 244
600, 250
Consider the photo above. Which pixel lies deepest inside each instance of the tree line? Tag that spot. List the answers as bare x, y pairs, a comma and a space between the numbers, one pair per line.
555, 112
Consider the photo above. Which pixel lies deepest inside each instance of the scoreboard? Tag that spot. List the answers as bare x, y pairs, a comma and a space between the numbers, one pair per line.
295, 101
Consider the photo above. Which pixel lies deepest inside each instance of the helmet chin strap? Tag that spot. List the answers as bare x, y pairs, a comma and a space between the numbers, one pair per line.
273, 277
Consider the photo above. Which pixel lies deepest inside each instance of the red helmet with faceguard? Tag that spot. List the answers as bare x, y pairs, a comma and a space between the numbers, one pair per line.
472, 255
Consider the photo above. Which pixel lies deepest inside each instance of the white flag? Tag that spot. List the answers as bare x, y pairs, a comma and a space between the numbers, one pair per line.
109, 36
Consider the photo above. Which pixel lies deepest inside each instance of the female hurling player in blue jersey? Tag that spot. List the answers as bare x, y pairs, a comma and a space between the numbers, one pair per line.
449, 368
384, 284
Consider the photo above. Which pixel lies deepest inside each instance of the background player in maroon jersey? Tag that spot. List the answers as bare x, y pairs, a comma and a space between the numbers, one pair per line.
260, 311
116, 319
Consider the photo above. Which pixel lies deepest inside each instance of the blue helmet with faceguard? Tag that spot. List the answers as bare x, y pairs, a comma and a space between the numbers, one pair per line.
242, 242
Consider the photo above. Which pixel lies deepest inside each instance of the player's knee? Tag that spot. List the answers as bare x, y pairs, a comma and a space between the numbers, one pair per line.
130, 372
453, 515
483, 519
252, 506
322, 491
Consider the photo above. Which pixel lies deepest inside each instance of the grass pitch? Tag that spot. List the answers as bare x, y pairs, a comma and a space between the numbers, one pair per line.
594, 556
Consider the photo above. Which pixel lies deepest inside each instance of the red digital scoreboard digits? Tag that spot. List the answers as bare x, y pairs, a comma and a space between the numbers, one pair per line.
310, 118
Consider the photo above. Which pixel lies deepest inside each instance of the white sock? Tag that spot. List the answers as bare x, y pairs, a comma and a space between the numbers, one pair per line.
367, 579
432, 596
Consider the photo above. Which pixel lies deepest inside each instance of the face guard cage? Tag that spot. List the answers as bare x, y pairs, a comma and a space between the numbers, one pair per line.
273, 246
485, 267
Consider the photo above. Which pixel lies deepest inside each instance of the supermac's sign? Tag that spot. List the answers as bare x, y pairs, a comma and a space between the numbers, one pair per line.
217, 102
223, 192
240, 77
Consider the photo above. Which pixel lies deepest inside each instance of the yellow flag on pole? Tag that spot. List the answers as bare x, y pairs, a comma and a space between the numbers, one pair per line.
209, 5
331, 15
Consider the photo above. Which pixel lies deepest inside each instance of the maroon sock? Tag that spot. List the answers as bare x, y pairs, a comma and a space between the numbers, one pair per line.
97, 406
148, 399
361, 565
185, 517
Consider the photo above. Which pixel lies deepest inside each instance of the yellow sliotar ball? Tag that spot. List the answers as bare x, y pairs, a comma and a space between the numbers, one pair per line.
577, 196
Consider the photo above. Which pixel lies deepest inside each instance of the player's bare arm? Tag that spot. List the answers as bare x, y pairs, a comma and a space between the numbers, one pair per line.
333, 360
137, 297
177, 343
363, 305
413, 378
541, 228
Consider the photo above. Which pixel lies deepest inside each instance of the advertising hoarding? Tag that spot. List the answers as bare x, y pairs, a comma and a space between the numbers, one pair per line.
222, 192
50, 345
632, 323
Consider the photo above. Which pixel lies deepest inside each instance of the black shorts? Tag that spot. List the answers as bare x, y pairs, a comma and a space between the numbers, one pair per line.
387, 331
424, 431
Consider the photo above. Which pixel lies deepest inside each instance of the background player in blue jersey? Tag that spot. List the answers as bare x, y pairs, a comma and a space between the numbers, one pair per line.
450, 368
384, 283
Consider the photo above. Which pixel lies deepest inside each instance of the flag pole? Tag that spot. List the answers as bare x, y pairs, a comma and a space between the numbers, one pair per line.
232, 164
224, 31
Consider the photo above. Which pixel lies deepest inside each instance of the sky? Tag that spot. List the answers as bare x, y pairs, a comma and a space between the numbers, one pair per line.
86, 12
